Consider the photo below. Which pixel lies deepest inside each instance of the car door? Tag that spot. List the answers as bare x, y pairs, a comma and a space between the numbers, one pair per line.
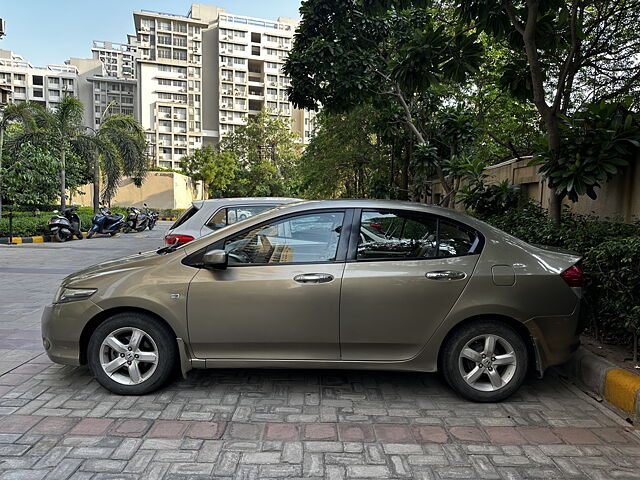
279, 296
405, 271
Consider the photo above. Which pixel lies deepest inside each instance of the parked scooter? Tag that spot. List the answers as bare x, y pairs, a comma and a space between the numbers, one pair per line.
65, 226
106, 222
136, 220
153, 216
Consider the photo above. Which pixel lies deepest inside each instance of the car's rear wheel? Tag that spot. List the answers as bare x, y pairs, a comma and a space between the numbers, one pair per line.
132, 354
485, 361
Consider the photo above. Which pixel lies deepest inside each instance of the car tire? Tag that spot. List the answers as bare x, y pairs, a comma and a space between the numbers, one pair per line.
485, 361
111, 355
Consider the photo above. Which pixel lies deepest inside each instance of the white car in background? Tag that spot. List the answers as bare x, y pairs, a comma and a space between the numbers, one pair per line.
206, 216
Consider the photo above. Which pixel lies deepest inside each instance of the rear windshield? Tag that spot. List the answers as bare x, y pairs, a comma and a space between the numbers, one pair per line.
184, 217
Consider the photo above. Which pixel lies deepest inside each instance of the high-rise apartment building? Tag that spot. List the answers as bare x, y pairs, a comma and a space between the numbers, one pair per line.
203, 74
107, 82
190, 80
43, 85
170, 76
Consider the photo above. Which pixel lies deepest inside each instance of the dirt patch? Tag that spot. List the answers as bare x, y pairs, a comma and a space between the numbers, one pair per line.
620, 355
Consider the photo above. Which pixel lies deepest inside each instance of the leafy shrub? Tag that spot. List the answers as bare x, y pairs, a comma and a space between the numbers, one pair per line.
25, 224
489, 199
613, 283
611, 262
578, 233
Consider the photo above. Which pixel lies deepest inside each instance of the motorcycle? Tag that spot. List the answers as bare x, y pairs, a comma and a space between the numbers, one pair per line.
136, 220
65, 226
106, 222
153, 216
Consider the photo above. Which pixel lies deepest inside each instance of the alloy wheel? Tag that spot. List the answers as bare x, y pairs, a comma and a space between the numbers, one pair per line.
129, 356
487, 362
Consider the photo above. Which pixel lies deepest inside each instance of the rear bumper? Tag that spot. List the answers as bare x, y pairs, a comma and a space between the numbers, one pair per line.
555, 338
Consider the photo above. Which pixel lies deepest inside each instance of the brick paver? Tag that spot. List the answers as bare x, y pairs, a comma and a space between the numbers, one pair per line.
57, 422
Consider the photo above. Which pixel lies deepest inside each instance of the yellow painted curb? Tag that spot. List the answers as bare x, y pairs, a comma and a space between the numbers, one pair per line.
16, 239
621, 388
39, 239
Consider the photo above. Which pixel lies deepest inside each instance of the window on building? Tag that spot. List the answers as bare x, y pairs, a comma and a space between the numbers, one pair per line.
37, 79
164, 39
179, 54
164, 25
164, 52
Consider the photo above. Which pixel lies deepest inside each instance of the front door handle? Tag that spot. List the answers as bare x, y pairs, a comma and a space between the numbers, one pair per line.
445, 275
313, 278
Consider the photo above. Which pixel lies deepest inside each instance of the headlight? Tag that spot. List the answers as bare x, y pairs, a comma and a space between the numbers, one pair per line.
64, 294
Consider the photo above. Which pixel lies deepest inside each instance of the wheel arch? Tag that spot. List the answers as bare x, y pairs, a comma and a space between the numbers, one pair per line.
97, 319
518, 326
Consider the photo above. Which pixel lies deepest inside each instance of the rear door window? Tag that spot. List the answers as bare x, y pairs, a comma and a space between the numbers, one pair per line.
190, 212
230, 215
387, 235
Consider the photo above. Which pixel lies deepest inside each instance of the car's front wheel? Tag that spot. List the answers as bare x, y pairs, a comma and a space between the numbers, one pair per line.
132, 354
485, 361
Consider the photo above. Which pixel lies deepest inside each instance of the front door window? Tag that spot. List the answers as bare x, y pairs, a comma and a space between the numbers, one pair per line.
301, 239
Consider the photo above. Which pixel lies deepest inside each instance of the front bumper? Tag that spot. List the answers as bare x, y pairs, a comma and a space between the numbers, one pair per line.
62, 325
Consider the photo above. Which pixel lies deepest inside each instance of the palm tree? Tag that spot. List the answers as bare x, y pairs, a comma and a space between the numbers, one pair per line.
13, 113
121, 150
118, 145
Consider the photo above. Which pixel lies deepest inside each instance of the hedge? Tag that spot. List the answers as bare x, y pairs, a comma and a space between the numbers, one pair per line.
611, 263
25, 224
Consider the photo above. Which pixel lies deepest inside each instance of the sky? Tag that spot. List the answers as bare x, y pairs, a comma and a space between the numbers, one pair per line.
51, 31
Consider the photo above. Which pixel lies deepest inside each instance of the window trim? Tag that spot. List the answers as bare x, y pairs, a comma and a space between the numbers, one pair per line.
352, 256
195, 259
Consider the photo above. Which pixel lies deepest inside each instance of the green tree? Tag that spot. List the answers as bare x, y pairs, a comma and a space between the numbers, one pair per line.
564, 54
351, 52
267, 151
13, 113
596, 144
119, 145
217, 170
118, 148
27, 177
346, 157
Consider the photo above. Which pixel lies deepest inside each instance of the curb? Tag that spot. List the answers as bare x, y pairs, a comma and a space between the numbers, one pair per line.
617, 386
168, 219
34, 239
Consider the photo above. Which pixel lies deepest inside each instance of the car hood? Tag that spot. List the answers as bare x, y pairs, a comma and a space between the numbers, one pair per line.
130, 262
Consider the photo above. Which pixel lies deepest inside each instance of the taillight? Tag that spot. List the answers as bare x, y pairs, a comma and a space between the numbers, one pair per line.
176, 239
573, 276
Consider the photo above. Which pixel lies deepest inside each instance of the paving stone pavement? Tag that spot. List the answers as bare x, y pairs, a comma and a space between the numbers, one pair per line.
57, 422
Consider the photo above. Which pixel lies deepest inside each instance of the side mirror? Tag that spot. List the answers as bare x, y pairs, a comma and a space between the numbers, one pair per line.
215, 259
144, 204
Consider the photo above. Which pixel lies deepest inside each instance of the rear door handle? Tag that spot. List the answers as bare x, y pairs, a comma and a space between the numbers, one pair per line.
445, 275
313, 278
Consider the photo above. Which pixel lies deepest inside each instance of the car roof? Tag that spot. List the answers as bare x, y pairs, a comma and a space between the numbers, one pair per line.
244, 200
